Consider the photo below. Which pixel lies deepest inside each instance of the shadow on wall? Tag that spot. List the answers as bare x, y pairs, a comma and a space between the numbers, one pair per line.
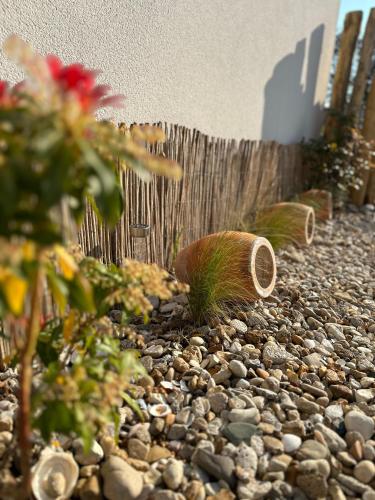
289, 111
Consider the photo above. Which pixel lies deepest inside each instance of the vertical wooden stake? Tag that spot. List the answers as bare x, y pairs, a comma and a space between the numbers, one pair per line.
364, 65
367, 190
369, 135
340, 83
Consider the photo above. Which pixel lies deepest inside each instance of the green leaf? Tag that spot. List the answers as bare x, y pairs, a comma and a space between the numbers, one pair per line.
46, 140
94, 207
47, 353
80, 294
133, 405
110, 205
55, 417
104, 188
59, 289
116, 420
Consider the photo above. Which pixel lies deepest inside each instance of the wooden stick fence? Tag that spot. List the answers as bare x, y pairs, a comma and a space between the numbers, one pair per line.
223, 183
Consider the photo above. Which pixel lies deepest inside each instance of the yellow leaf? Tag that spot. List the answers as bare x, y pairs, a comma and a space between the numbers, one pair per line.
14, 289
60, 299
66, 262
58, 291
69, 325
28, 250
4, 272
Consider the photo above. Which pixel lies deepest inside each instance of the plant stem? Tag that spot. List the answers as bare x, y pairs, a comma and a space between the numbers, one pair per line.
26, 374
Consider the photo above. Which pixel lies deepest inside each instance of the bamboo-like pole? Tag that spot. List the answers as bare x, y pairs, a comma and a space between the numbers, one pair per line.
369, 135
348, 42
347, 45
358, 197
364, 65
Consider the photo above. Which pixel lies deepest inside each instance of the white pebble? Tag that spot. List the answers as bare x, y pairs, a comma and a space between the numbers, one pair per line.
291, 442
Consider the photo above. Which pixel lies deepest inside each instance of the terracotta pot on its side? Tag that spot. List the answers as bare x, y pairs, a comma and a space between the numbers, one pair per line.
251, 260
320, 200
295, 221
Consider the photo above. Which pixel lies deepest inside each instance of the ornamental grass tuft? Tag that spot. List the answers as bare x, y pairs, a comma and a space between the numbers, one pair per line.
218, 277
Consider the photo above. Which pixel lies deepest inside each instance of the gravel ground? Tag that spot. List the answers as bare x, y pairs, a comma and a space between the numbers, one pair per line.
275, 401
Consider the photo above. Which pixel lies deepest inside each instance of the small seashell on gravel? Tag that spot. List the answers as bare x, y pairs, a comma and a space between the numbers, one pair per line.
159, 410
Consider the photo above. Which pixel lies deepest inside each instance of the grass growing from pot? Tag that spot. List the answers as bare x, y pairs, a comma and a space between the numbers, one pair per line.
219, 277
318, 204
280, 227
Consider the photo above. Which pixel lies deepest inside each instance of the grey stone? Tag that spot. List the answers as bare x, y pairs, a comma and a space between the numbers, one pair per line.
334, 442
238, 368
218, 401
155, 351
311, 466
195, 491
200, 406
334, 412
167, 308
93, 456
357, 421
177, 431
222, 375
6, 422
279, 463
365, 395
239, 325
275, 354
120, 480
352, 483
246, 457
137, 449
368, 495
249, 415
334, 331
307, 406
313, 485
166, 495
364, 471
313, 360
312, 449
254, 489
218, 466
173, 474
237, 432
196, 341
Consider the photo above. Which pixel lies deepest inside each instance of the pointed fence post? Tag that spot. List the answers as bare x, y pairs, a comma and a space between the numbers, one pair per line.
347, 46
369, 135
342, 74
364, 67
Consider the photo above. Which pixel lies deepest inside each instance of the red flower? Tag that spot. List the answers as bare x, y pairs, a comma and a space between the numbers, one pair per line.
77, 80
6, 97
3, 91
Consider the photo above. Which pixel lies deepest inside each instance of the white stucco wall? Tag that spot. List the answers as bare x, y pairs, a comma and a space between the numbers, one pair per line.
254, 69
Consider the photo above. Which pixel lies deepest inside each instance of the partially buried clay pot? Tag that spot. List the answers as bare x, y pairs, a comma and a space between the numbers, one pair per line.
320, 200
248, 258
293, 222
